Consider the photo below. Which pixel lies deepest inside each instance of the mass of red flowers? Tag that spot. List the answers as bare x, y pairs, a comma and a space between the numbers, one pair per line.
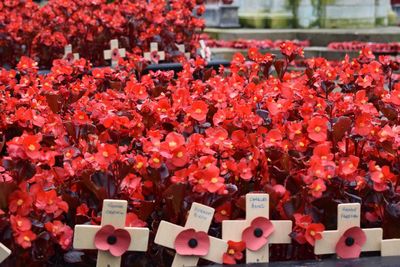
314, 138
248, 43
389, 48
88, 25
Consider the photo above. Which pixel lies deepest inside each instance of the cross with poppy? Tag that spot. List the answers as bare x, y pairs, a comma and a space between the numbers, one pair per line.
192, 241
205, 51
69, 55
257, 231
349, 240
181, 48
154, 55
114, 53
111, 238
4, 252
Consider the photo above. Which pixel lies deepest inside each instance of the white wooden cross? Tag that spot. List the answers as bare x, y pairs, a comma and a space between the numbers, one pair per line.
205, 51
113, 213
348, 217
199, 219
390, 247
114, 53
68, 53
257, 205
154, 49
181, 48
4, 252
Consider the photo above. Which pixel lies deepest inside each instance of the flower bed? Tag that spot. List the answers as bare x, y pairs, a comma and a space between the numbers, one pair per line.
42, 33
246, 43
389, 48
311, 139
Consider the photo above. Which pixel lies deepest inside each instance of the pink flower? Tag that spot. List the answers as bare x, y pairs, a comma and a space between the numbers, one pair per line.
192, 243
350, 244
116, 241
256, 235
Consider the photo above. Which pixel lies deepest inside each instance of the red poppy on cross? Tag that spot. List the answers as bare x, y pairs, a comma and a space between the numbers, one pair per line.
115, 53
111, 238
257, 231
349, 240
192, 241
69, 55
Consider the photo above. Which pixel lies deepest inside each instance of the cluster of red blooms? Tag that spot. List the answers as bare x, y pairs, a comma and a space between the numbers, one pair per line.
390, 48
42, 33
246, 43
310, 139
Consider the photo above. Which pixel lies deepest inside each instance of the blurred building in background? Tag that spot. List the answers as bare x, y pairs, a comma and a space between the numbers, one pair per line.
312, 13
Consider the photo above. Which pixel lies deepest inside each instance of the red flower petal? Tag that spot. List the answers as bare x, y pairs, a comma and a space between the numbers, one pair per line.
350, 244
253, 242
265, 224
201, 240
122, 244
100, 239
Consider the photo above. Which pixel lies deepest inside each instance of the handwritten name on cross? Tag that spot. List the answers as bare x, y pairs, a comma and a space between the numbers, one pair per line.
4, 252
154, 50
114, 53
69, 55
257, 205
181, 48
199, 219
113, 213
348, 217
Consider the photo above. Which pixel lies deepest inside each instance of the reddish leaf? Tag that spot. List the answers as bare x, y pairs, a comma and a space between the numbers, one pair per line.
341, 127
2, 142
389, 112
54, 102
5, 190
174, 196
100, 193
146, 209
279, 67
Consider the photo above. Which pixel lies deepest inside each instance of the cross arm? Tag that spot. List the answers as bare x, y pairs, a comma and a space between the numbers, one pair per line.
140, 238
374, 239
390, 247
281, 232
4, 252
84, 236
232, 230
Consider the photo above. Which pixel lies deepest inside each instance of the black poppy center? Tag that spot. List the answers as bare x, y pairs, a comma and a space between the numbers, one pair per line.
112, 239
258, 232
192, 243
349, 241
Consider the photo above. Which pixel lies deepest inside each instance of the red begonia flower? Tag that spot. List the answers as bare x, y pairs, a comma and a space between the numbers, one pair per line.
234, 252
